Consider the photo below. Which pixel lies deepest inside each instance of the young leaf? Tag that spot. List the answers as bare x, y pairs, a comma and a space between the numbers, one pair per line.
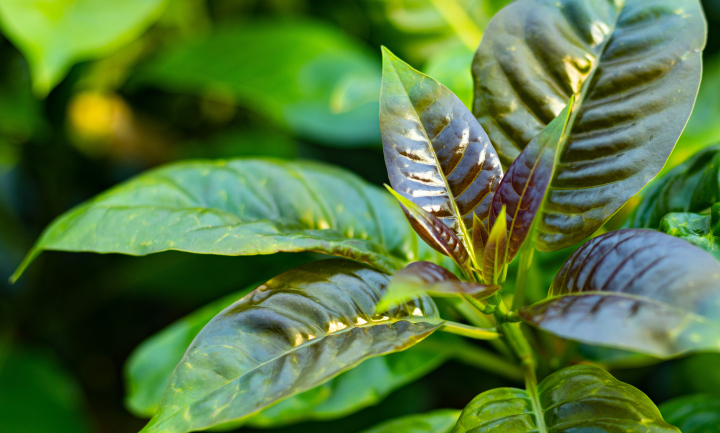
635, 66
700, 230
638, 290
437, 421
433, 231
239, 207
428, 278
581, 398
693, 413
480, 236
436, 153
692, 186
522, 190
496, 251
289, 335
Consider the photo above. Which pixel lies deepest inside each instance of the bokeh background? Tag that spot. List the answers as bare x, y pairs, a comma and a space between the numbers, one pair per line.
95, 91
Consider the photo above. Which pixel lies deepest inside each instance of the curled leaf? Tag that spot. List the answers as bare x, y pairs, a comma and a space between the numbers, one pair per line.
496, 251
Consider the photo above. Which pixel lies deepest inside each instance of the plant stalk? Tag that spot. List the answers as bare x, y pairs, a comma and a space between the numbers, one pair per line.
469, 331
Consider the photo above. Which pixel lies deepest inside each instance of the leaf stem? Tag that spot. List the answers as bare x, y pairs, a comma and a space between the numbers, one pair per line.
469, 331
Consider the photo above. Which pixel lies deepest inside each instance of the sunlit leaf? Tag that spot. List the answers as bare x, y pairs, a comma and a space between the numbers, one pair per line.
580, 398
428, 278
54, 35
438, 421
638, 290
700, 230
693, 413
289, 335
305, 75
436, 153
239, 207
522, 190
635, 67
496, 248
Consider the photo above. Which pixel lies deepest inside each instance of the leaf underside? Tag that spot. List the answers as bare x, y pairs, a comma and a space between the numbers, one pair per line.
635, 289
289, 335
580, 398
635, 66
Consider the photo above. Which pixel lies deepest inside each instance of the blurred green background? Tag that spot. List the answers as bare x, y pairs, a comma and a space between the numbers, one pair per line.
95, 91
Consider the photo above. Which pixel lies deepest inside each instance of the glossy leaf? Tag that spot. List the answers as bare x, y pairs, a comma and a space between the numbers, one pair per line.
496, 251
638, 290
635, 67
693, 413
438, 421
580, 398
289, 335
479, 237
692, 186
305, 75
522, 190
700, 230
239, 207
54, 35
428, 278
149, 368
436, 153
436, 234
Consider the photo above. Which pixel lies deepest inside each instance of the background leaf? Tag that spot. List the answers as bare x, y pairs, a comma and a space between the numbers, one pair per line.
638, 290
693, 413
54, 35
699, 230
289, 335
636, 83
577, 398
439, 421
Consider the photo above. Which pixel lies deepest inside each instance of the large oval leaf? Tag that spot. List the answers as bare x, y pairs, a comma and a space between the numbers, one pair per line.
239, 207
289, 335
436, 153
581, 398
438, 421
149, 368
635, 289
635, 66
693, 413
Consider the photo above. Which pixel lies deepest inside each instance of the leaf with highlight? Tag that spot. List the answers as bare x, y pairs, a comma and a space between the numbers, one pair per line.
638, 290
700, 230
496, 251
289, 335
436, 153
428, 278
635, 66
581, 398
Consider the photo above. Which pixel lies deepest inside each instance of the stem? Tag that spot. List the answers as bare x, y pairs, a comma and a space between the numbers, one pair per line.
525, 262
478, 357
469, 331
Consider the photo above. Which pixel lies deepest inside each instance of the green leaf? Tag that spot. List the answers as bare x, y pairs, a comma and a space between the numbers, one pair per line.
635, 67
692, 186
149, 368
522, 190
633, 289
323, 86
693, 413
699, 230
37, 394
54, 35
581, 398
436, 234
437, 421
289, 335
239, 207
494, 258
428, 278
436, 153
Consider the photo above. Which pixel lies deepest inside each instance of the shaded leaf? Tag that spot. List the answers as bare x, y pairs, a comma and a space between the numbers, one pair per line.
428, 278
436, 234
305, 75
522, 190
239, 207
54, 35
495, 255
638, 290
436, 153
699, 230
692, 186
289, 335
437, 421
578, 398
635, 66
693, 413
